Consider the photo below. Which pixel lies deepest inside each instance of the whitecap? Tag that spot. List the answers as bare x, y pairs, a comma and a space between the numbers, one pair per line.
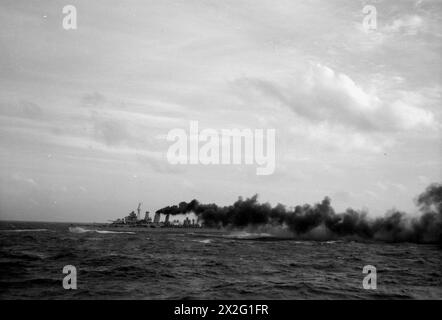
79, 230
204, 241
106, 231
247, 235
84, 230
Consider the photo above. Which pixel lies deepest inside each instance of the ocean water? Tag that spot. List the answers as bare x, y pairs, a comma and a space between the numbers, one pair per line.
206, 264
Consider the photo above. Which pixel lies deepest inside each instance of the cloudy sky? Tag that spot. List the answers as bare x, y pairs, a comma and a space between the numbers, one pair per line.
84, 113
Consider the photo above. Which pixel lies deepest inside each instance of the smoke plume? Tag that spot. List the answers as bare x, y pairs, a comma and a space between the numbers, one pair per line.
320, 221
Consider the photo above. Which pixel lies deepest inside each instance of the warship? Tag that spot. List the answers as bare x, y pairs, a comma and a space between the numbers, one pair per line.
135, 220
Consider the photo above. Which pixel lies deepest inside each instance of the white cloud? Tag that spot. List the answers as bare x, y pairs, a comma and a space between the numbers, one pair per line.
156, 66
20, 177
324, 95
409, 25
409, 117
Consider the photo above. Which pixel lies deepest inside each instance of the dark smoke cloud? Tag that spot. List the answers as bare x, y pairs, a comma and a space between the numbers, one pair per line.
322, 222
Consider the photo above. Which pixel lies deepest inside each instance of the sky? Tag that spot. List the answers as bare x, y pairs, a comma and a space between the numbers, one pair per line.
84, 113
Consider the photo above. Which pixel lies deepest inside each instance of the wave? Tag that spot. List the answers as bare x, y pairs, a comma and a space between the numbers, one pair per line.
24, 230
332, 241
79, 230
248, 235
106, 231
84, 230
319, 234
282, 233
204, 241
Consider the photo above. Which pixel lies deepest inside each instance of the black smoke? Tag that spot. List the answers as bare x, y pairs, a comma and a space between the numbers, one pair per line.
322, 222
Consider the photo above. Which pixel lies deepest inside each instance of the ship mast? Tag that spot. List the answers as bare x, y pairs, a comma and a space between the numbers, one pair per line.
139, 211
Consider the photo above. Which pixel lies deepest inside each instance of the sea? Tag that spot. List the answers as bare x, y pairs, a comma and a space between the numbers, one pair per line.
164, 263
